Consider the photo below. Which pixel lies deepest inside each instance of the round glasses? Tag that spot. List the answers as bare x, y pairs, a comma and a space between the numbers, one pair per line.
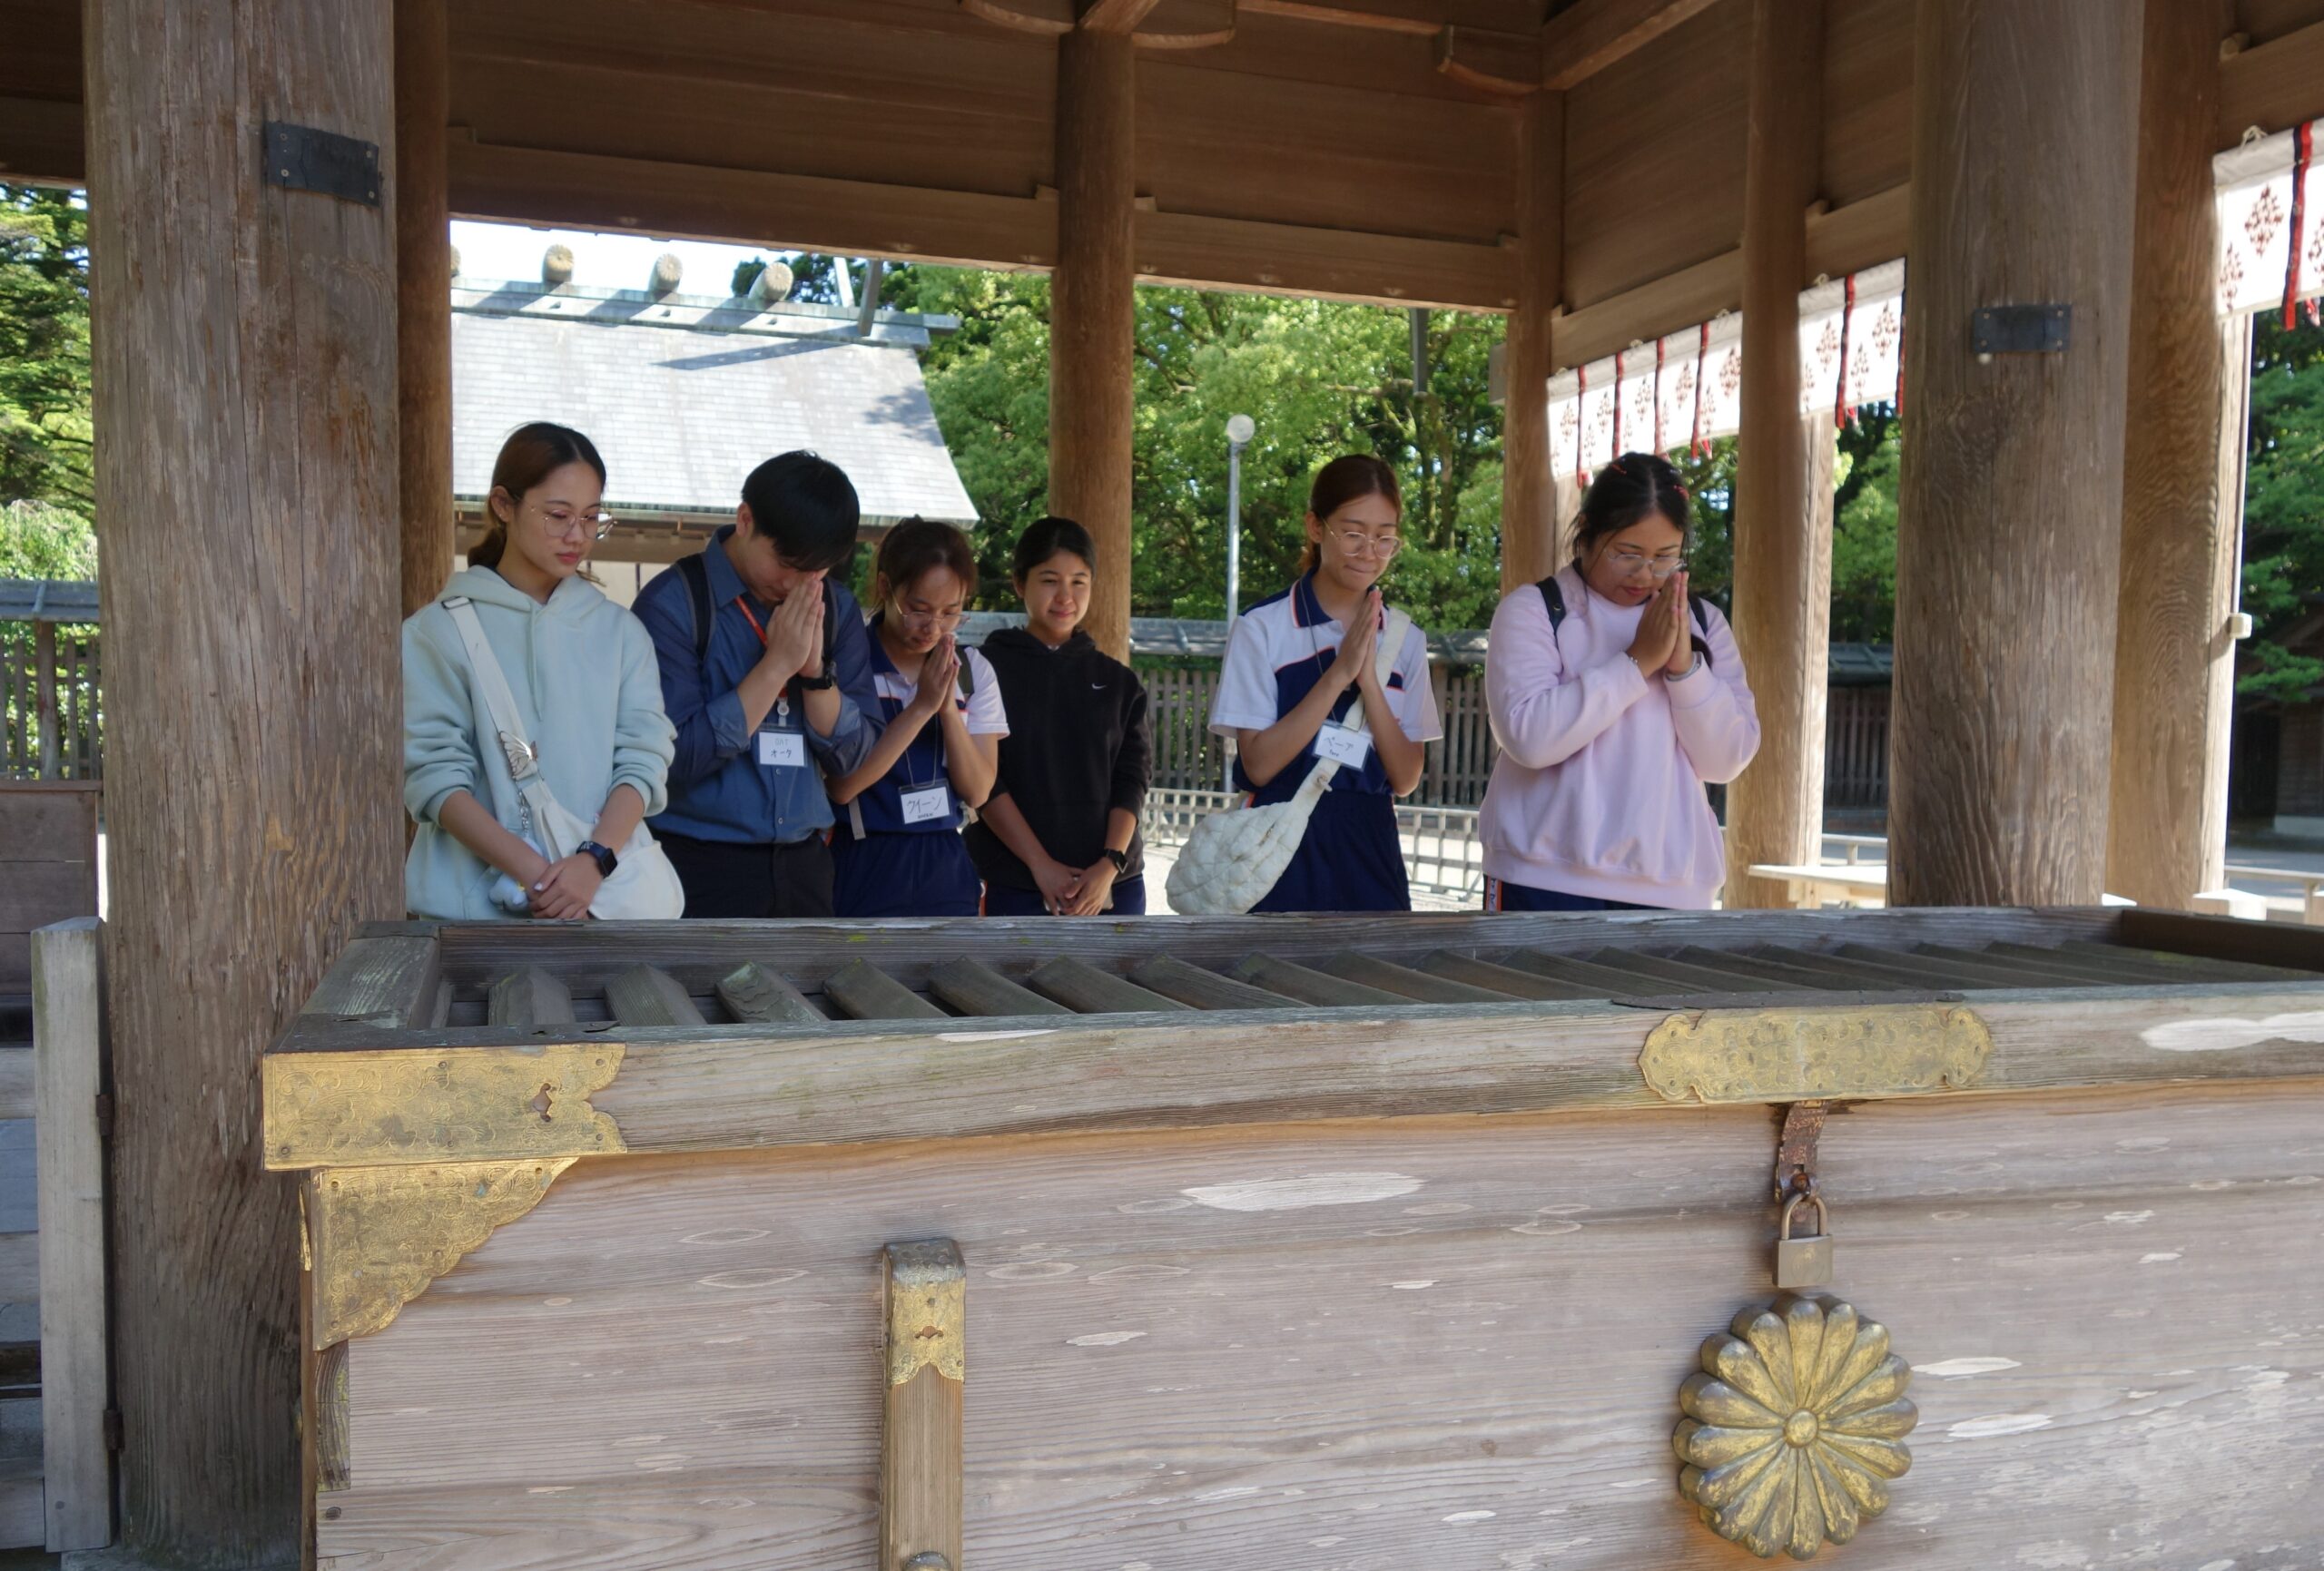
1356, 543
562, 522
1630, 564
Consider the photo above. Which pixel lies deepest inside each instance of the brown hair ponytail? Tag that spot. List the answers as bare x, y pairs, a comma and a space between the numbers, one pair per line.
531, 453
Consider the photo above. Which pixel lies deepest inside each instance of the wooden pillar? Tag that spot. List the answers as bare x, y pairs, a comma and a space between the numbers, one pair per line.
2174, 658
2025, 153
423, 298
1092, 313
245, 387
1529, 494
1783, 471
921, 1420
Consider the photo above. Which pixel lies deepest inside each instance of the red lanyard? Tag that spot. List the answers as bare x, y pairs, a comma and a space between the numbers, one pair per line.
744, 607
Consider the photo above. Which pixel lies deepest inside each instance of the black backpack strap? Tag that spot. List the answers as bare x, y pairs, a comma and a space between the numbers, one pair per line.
1552, 597
697, 576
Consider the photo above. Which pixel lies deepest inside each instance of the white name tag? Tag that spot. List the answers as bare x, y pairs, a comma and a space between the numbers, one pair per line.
927, 802
782, 749
1342, 744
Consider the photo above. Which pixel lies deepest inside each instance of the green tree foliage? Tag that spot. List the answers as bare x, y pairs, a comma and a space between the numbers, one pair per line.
44, 451
42, 540
2283, 505
1864, 528
1319, 378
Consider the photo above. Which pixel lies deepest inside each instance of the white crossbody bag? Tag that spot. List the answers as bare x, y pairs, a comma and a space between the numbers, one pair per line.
644, 885
1232, 858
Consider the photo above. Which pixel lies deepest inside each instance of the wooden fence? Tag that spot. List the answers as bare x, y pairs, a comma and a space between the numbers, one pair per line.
1186, 757
51, 709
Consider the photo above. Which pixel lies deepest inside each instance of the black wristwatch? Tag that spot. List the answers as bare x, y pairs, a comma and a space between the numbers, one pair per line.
606, 861
822, 683
1119, 859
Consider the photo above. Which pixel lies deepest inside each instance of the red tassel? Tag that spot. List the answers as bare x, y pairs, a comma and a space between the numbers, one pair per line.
1840, 409
1695, 443
1582, 424
2305, 142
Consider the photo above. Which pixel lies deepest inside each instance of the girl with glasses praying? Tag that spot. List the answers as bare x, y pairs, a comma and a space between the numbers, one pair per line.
1615, 695
1303, 669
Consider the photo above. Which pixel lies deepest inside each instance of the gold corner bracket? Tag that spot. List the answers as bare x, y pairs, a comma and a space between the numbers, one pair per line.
926, 1294
370, 1108
377, 1236
1728, 1056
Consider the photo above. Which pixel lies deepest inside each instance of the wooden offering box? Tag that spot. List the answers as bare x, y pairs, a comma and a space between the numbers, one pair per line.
1232, 1245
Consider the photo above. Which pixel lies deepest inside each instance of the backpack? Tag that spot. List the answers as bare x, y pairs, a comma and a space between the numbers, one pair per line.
1553, 598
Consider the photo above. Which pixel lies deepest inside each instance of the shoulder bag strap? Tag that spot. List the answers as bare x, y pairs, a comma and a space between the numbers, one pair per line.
516, 748
696, 574
1553, 598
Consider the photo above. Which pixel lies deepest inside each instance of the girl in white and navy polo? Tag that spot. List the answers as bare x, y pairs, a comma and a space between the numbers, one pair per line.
896, 849
1295, 671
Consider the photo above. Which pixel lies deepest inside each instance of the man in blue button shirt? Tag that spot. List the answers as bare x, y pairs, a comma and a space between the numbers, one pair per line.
767, 674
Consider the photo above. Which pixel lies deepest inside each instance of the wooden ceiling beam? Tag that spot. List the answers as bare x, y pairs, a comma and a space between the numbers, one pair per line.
1186, 24
1041, 18
41, 141
1506, 64
2274, 85
1112, 15
1590, 35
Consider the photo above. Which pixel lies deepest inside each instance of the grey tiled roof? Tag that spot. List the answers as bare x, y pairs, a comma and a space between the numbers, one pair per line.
682, 413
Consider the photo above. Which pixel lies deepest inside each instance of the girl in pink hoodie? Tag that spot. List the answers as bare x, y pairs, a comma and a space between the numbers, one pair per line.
1615, 697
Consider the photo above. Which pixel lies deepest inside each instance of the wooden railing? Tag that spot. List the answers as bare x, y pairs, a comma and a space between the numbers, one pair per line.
51, 713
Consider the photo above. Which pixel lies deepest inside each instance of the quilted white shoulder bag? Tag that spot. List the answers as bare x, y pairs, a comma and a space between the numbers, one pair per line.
1232, 858
644, 885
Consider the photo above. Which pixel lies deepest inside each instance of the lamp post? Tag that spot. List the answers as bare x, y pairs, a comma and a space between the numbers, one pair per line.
1240, 428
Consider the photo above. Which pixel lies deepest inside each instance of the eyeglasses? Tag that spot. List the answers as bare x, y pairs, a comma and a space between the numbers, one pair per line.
562, 522
1629, 562
1356, 543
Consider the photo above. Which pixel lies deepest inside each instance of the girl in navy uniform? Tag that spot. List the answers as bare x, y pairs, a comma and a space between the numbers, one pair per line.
896, 850
1297, 667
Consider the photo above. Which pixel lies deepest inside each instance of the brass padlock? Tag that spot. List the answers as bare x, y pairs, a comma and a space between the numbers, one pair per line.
1803, 1261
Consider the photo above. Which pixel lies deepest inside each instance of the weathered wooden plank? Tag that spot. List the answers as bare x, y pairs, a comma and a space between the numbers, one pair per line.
388, 982
1610, 981
19, 1268
921, 1424
1729, 962
529, 997
2274, 86
649, 996
75, 1378
1202, 989
476, 954
975, 988
1935, 971
1585, 38
2122, 967
864, 992
1343, 1277
2033, 973
758, 993
1082, 987
1310, 986
1506, 980
1865, 973
2281, 945
1653, 969
1387, 976
17, 1082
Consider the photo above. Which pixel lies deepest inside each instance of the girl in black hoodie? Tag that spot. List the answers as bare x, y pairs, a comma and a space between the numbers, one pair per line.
1060, 833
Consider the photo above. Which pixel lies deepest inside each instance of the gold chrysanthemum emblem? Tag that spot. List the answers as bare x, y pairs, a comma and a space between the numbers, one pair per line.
1795, 1423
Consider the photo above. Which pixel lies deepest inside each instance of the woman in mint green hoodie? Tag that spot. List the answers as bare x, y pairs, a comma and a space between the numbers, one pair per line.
582, 673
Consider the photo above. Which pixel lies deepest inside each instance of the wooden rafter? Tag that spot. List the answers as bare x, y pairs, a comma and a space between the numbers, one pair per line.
1112, 15
1585, 38
1507, 65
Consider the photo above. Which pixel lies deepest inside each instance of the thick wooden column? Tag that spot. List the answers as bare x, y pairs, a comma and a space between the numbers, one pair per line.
423, 298
2174, 658
245, 389
1530, 495
2026, 154
1092, 321
1783, 471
